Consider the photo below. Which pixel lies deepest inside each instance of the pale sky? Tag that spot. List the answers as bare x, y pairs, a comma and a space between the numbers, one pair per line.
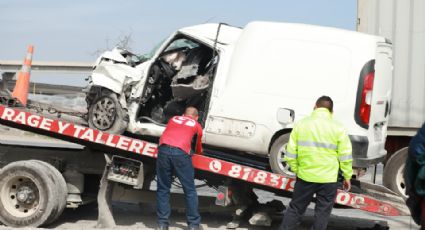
74, 30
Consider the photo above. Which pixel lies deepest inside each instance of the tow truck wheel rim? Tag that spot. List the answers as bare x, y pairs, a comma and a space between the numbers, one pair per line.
401, 185
393, 175
20, 196
104, 113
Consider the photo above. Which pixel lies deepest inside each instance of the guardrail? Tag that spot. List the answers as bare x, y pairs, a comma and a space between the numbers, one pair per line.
47, 89
11, 66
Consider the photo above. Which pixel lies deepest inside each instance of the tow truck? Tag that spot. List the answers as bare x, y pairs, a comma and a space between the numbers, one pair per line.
76, 164
37, 184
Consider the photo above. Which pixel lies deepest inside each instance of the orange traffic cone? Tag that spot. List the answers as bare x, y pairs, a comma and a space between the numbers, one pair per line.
20, 92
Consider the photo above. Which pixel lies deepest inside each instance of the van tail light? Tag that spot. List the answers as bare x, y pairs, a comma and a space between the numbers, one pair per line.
366, 100
364, 94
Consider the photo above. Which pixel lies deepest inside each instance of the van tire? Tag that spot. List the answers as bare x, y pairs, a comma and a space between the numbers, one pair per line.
40, 192
61, 187
277, 164
393, 177
107, 108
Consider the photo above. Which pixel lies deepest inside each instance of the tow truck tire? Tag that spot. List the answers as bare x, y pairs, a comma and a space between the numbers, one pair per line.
62, 190
107, 114
276, 157
26, 194
393, 177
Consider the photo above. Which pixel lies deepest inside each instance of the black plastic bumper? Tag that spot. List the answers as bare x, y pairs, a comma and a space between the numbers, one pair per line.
360, 146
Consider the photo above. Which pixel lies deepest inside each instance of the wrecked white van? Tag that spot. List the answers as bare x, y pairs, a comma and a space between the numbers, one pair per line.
250, 86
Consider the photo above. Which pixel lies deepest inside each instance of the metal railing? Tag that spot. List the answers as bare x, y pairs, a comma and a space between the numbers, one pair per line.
8, 68
11, 66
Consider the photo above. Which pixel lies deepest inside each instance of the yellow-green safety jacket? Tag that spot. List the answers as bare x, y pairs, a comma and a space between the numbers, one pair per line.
318, 146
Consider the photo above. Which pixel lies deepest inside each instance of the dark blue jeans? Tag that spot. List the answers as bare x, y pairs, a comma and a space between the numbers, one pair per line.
175, 161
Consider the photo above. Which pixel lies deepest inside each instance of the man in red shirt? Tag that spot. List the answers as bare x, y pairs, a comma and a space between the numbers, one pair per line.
174, 156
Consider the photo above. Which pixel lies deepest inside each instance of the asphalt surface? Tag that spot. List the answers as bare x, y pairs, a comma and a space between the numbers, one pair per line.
142, 216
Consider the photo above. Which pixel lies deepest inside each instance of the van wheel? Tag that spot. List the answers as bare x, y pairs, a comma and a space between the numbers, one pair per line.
61, 187
106, 114
393, 177
26, 194
277, 164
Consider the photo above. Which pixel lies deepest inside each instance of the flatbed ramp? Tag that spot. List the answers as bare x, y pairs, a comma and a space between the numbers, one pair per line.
372, 198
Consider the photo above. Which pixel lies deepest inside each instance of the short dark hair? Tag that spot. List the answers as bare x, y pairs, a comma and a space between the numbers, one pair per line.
325, 102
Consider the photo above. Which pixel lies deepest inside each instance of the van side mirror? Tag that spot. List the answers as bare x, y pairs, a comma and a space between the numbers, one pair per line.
285, 116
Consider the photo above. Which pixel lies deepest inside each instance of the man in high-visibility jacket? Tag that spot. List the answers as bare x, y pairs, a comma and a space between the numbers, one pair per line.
318, 148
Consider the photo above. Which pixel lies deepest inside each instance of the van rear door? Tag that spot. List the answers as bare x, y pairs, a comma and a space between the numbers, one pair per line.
373, 100
381, 93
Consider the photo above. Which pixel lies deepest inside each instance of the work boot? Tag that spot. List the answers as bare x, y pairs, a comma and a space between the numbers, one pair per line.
162, 228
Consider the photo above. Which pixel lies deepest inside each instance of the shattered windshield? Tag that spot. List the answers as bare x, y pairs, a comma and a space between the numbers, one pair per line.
150, 54
181, 43
176, 44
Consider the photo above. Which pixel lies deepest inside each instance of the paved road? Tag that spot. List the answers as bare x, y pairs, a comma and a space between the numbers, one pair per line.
142, 216
132, 216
